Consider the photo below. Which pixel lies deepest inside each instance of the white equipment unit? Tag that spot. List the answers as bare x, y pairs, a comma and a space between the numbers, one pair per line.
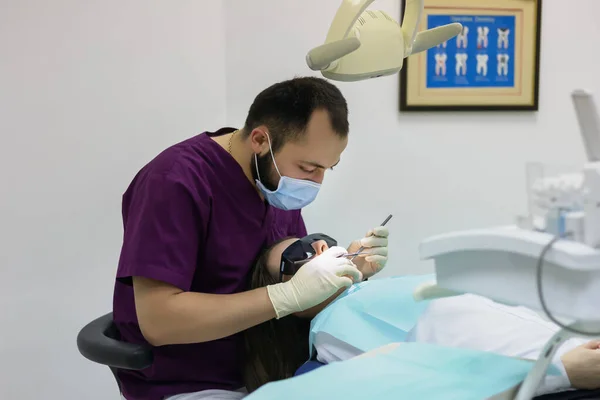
503, 263
500, 263
589, 123
363, 44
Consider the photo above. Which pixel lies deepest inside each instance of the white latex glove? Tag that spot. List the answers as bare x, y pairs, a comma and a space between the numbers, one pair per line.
375, 245
314, 283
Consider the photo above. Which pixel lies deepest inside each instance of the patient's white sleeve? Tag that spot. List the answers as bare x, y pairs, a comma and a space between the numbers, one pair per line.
475, 322
329, 349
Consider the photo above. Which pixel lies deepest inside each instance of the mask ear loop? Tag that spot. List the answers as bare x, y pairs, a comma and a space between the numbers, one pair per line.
256, 166
272, 157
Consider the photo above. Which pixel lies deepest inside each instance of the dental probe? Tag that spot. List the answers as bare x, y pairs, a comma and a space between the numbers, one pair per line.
363, 247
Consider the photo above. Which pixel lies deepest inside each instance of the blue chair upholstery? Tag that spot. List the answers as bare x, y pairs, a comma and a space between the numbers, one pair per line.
308, 366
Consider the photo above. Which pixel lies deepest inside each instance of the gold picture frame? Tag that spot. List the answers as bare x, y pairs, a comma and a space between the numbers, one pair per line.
493, 65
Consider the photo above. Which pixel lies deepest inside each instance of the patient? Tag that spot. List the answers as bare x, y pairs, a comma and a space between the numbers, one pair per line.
275, 349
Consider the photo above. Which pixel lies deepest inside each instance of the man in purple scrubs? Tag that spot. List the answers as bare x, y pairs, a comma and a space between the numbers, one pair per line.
195, 219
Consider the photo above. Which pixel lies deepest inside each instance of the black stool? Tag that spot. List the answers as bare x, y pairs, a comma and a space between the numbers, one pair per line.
99, 341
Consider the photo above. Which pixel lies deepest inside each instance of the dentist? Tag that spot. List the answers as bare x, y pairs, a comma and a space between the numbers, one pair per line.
195, 219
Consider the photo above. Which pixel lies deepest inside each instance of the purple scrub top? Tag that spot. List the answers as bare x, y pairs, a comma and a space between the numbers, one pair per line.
192, 219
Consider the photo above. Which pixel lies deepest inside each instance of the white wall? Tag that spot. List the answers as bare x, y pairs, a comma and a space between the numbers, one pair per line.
434, 172
89, 92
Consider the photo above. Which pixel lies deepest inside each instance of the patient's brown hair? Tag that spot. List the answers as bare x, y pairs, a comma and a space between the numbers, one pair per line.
275, 349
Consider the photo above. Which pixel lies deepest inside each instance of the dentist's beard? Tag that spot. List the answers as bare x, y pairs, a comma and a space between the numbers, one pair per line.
266, 169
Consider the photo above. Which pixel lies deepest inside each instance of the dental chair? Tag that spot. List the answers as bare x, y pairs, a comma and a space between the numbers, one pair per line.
99, 342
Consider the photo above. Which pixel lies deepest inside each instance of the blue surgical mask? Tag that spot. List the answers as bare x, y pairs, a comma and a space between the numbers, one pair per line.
291, 193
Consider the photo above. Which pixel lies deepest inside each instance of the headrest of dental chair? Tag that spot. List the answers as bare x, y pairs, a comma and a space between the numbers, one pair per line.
99, 342
365, 44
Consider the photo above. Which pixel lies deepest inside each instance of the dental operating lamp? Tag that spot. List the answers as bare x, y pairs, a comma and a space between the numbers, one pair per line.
363, 44
553, 266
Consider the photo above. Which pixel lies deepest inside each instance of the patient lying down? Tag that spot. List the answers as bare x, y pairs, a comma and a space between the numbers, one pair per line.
276, 349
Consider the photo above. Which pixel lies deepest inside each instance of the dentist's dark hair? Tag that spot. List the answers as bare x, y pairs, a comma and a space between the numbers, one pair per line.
275, 349
285, 108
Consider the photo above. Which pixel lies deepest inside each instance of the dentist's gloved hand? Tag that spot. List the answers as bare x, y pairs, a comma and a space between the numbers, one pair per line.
375, 245
314, 283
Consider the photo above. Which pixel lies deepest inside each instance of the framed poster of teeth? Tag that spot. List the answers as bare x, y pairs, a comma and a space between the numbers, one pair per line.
492, 65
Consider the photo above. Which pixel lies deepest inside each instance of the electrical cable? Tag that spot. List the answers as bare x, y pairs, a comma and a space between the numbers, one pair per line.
538, 272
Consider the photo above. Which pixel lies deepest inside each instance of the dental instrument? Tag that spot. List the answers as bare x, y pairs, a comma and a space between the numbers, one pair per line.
363, 44
300, 263
362, 248
302, 251
505, 264
353, 254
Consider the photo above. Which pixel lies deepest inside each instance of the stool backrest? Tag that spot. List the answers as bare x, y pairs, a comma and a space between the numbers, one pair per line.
100, 342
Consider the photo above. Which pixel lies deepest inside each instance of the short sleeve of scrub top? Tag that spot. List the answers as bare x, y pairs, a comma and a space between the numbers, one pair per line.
162, 233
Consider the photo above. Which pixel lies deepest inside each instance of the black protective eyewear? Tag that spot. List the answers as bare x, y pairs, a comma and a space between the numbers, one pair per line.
300, 252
